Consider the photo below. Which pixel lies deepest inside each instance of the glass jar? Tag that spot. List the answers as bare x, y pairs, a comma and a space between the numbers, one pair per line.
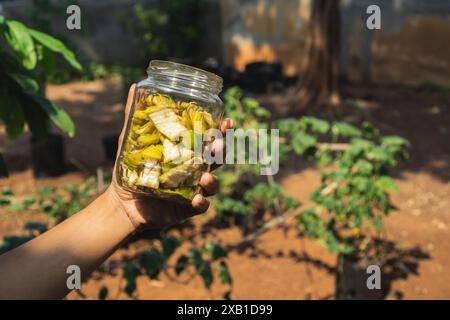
171, 112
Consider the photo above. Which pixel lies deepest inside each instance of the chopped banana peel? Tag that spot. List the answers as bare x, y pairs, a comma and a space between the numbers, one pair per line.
148, 139
158, 156
167, 123
185, 192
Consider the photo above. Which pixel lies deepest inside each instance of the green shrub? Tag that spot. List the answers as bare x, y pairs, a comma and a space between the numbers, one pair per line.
26, 54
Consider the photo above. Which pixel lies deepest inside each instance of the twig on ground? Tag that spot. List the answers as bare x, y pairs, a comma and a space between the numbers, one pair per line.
275, 222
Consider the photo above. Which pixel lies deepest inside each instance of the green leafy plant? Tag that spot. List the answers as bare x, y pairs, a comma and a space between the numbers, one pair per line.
342, 213
243, 195
347, 209
355, 180
24, 54
167, 28
41, 15
58, 203
354, 162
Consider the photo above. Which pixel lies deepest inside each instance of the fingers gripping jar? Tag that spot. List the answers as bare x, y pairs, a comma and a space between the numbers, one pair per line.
171, 111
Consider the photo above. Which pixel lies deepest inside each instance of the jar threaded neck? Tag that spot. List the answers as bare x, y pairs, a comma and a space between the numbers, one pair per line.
177, 74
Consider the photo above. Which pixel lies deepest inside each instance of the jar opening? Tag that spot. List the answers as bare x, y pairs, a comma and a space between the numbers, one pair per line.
177, 74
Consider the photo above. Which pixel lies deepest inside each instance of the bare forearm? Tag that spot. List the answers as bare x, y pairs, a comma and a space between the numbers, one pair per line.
37, 269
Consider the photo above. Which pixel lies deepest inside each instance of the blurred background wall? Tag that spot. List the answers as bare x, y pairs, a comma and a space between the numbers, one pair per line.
103, 37
413, 45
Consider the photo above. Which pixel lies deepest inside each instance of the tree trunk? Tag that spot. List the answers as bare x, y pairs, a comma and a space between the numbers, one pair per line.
318, 85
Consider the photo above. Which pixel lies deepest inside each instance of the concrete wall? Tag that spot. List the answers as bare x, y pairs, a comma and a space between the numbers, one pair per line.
264, 30
413, 45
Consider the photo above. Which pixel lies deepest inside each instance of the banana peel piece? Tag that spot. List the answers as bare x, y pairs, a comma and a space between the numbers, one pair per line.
185, 192
160, 100
176, 153
149, 154
149, 175
170, 152
146, 128
167, 122
130, 176
176, 176
148, 139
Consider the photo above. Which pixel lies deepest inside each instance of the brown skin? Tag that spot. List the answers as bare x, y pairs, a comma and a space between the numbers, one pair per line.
37, 269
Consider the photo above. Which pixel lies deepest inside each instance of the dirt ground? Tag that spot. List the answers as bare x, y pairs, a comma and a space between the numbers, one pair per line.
276, 268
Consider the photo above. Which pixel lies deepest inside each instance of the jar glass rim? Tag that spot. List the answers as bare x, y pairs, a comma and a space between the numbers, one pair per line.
195, 76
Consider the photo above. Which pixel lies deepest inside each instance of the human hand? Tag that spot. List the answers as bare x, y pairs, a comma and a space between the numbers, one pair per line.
146, 212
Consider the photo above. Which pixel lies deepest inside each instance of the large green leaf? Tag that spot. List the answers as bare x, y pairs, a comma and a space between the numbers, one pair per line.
287, 126
57, 46
379, 154
26, 82
386, 183
316, 125
19, 39
302, 142
11, 113
37, 119
363, 167
57, 115
394, 141
9, 64
253, 106
48, 61
345, 130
